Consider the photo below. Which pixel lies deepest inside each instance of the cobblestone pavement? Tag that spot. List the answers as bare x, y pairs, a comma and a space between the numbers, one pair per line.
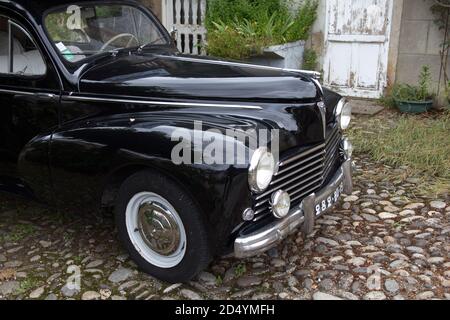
385, 241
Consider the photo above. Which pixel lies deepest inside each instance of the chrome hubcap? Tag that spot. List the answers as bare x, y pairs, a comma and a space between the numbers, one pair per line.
159, 228
156, 230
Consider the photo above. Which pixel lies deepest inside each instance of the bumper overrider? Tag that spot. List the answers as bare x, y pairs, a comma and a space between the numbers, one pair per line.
303, 215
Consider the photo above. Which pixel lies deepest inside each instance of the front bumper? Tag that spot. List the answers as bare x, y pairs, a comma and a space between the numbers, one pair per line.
304, 214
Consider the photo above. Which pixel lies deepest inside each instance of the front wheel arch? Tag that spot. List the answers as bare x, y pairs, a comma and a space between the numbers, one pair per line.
116, 178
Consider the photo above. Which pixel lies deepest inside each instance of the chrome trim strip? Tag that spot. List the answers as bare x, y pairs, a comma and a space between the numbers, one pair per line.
165, 103
316, 156
310, 184
317, 163
304, 154
267, 237
313, 74
18, 92
317, 166
160, 103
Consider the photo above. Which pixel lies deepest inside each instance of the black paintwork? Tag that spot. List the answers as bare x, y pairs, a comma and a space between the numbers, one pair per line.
75, 154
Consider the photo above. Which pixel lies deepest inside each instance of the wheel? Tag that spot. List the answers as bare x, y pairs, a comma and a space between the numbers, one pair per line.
161, 228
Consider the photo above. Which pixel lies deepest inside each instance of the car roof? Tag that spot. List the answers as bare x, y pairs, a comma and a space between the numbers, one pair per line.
38, 8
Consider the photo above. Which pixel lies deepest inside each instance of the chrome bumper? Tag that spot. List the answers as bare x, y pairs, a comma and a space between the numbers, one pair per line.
304, 214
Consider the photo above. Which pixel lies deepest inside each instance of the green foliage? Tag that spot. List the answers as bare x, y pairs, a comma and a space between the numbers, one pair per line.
425, 82
238, 29
18, 232
310, 60
387, 101
226, 41
441, 11
303, 21
418, 93
219, 280
56, 24
240, 270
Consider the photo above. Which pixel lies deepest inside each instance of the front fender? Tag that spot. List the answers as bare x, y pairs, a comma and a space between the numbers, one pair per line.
85, 159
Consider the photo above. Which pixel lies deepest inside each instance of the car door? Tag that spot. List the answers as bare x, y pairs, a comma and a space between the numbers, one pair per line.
29, 98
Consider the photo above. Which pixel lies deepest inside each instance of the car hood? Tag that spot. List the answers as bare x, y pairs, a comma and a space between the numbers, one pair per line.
174, 76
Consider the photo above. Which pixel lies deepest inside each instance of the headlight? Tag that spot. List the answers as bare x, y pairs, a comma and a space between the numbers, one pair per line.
344, 114
262, 169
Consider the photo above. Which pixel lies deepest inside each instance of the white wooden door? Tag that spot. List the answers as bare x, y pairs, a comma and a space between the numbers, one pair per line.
357, 44
188, 18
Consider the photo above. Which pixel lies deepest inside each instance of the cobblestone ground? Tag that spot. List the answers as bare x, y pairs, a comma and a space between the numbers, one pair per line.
385, 241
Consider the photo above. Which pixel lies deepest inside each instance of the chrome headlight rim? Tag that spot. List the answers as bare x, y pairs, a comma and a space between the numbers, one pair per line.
343, 109
255, 162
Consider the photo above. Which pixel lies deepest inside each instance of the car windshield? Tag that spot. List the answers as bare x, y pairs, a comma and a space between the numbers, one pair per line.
81, 31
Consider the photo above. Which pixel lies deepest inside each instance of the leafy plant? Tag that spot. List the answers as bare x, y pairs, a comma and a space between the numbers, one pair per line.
303, 21
228, 42
219, 280
419, 93
387, 101
240, 270
238, 29
26, 284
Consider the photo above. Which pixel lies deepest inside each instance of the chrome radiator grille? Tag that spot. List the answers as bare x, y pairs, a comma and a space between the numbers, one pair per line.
303, 173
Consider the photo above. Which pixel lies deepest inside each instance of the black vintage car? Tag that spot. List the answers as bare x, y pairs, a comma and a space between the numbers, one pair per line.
91, 96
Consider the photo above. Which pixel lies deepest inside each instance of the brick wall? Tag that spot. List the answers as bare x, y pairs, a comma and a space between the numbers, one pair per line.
419, 43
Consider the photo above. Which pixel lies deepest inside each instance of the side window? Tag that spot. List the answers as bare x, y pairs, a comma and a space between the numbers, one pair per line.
18, 52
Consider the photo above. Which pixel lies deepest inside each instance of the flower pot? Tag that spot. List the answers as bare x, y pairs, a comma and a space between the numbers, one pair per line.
414, 106
287, 56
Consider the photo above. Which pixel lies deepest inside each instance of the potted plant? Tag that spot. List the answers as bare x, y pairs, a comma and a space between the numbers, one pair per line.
415, 99
266, 32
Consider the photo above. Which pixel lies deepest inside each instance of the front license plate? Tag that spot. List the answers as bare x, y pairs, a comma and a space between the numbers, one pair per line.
330, 201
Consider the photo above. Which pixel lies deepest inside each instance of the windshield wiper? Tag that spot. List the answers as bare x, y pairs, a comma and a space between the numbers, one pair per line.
142, 47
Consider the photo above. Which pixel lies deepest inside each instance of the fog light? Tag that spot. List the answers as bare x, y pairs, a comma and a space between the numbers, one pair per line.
281, 204
347, 148
248, 214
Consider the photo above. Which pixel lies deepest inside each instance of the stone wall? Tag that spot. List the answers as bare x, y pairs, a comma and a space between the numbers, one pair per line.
420, 41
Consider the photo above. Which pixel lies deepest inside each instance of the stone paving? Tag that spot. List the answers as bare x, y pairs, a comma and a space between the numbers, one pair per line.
387, 240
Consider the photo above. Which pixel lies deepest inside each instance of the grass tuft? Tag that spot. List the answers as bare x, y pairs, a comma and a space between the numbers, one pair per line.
421, 143
18, 232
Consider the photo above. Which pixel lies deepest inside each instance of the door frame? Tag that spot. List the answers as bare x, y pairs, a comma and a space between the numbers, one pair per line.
383, 67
